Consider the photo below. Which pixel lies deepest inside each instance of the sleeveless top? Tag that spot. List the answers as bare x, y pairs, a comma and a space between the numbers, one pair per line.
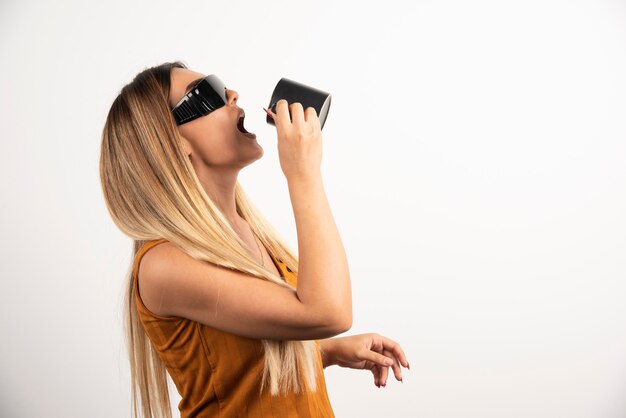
218, 374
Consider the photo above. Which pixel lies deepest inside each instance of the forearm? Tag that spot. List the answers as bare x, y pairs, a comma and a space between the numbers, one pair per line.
323, 275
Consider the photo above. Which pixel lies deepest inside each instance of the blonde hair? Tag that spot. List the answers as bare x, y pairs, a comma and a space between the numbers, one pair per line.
151, 192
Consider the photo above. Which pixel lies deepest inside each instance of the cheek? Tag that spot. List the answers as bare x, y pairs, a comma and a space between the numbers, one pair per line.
216, 133
211, 137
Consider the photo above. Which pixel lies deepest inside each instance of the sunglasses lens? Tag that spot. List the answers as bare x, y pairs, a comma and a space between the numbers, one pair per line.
208, 95
211, 93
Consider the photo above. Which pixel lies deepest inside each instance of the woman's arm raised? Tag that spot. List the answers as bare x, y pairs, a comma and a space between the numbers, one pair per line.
173, 284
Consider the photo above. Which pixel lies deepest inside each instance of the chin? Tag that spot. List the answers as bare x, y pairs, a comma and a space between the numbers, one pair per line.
253, 152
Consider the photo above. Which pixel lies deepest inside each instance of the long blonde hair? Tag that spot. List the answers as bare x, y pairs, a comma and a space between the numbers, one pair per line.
152, 191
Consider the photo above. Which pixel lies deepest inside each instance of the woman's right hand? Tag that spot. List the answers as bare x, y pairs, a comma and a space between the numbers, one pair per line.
299, 139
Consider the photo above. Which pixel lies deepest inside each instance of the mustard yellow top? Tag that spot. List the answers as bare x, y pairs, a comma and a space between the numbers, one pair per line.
218, 374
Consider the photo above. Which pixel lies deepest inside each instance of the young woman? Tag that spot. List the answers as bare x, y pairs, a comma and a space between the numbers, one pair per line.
215, 297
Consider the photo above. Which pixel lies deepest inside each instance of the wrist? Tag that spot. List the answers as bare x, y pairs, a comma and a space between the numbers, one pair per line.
327, 354
304, 179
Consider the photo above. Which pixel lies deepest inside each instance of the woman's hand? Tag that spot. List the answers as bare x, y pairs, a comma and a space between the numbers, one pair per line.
367, 351
299, 139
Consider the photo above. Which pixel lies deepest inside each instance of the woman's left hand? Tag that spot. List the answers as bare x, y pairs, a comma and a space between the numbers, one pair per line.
368, 351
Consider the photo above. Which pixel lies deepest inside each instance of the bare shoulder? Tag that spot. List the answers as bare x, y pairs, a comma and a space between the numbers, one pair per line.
166, 261
155, 265
160, 256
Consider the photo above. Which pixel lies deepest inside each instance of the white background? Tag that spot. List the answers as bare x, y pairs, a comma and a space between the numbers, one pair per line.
473, 157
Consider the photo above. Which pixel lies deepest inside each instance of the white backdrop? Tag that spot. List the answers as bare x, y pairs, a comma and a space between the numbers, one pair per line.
473, 158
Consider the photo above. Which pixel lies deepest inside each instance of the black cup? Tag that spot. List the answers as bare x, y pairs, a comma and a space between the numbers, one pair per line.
292, 91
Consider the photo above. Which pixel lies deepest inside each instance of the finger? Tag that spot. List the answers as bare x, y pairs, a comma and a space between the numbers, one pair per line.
297, 113
375, 354
270, 113
310, 116
384, 371
376, 371
377, 358
310, 113
395, 366
397, 351
383, 361
282, 113
380, 363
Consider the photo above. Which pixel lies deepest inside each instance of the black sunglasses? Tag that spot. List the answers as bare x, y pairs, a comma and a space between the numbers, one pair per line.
207, 95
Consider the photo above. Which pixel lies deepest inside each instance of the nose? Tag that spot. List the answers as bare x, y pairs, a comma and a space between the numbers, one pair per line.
232, 96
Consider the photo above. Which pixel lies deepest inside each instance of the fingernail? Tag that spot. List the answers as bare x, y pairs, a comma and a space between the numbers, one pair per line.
384, 384
408, 366
401, 380
388, 362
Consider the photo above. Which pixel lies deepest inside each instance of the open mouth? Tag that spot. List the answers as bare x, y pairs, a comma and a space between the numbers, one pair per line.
240, 126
